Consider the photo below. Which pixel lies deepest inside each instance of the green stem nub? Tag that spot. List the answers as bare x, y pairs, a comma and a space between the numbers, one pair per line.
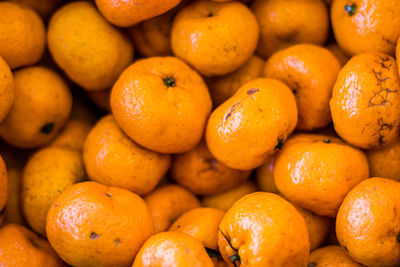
169, 82
350, 9
327, 141
47, 128
280, 144
234, 258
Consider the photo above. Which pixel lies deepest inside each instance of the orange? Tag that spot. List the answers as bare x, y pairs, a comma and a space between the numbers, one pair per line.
167, 202
310, 71
6, 89
287, 22
172, 249
338, 53
22, 38
331, 256
214, 37
226, 199
202, 174
398, 54
365, 103
43, 7
265, 176
73, 135
317, 171
23, 248
236, 130
111, 158
101, 99
3, 189
385, 162
366, 26
223, 87
91, 224
46, 175
13, 212
41, 108
367, 222
162, 104
92, 52
263, 229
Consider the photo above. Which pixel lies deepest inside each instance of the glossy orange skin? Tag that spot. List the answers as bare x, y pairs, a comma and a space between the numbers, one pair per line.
90, 224
226, 199
265, 176
338, 53
310, 71
317, 175
43, 7
101, 99
202, 224
172, 249
167, 202
120, 12
6, 89
214, 37
223, 87
367, 222
22, 39
14, 213
145, 106
236, 130
113, 159
331, 256
203, 174
41, 97
365, 101
73, 135
385, 162
287, 22
374, 26
3, 189
86, 47
265, 230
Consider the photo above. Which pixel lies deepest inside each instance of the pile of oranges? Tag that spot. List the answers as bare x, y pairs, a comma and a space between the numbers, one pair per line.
258, 133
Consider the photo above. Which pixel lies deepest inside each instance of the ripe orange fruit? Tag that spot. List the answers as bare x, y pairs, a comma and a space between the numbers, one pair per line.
101, 99
385, 162
43, 7
3, 189
265, 176
13, 210
331, 256
73, 135
338, 53
6, 89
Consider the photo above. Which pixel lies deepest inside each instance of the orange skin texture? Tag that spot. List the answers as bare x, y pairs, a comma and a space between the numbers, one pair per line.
46, 175
22, 38
21, 247
236, 129
113, 159
367, 30
6, 89
223, 87
91, 224
226, 199
41, 98
317, 175
265, 176
287, 22
14, 213
86, 47
145, 106
367, 222
202, 224
310, 71
202, 174
398, 55
101, 99
338, 53
73, 135
265, 230
166, 203
3, 189
43, 7
365, 101
214, 37
331, 256
385, 162
172, 249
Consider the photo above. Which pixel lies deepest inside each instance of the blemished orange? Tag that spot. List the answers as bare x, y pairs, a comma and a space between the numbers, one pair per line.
112, 158
167, 202
287, 22
91, 224
21, 247
13, 212
365, 25
263, 229
128, 13
203, 174
331, 256
202, 224
223, 87
169, 249
317, 171
86, 47
6, 89
265, 176
226, 199
367, 222
3, 189
41, 108
215, 38
365, 103
385, 162
101, 99
73, 134
46, 175
338, 53
162, 104
310, 71
236, 130
43, 7
22, 38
